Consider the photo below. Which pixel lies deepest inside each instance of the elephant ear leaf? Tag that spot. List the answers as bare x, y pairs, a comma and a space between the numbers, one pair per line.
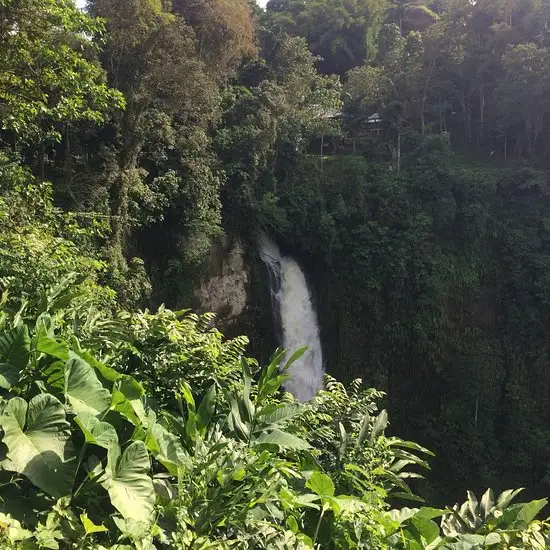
15, 348
128, 482
167, 449
9, 376
96, 432
83, 389
37, 436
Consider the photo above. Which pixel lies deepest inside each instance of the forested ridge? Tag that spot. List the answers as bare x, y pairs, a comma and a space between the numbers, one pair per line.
398, 149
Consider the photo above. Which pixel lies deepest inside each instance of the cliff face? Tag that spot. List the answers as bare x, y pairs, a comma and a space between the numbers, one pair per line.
236, 287
225, 288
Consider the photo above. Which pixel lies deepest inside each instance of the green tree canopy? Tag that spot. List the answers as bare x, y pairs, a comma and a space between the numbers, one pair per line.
342, 32
49, 71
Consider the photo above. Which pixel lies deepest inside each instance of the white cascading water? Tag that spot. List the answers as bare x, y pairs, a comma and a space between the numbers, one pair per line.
299, 326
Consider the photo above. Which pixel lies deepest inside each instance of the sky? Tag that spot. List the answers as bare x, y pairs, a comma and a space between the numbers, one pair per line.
82, 2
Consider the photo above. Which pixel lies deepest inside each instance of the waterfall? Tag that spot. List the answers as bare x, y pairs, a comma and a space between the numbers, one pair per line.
293, 307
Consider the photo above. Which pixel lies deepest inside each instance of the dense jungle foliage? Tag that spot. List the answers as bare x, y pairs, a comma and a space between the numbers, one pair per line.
398, 149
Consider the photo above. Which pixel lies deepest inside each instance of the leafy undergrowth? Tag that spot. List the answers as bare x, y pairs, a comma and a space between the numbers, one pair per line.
143, 430
150, 431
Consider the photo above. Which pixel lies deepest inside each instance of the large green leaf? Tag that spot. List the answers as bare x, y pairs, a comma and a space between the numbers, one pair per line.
365, 424
167, 449
403, 514
294, 357
278, 414
428, 529
9, 376
37, 436
44, 327
283, 440
15, 346
400, 443
235, 421
473, 504
321, 484
380, 424
83, 389
128, 482
187, 394
506, 497
427, 512
529, 512
109, 374
96, 432
487, 503
52, 346
127, 400
206, 410
14, 355
246, 406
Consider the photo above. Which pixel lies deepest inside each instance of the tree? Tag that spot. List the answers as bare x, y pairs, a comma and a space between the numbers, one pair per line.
413, 14
160, 158
224, 32
523, 95
272, 121
342, 32
49, 71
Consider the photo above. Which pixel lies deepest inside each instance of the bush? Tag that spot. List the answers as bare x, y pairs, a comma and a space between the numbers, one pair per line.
95, 459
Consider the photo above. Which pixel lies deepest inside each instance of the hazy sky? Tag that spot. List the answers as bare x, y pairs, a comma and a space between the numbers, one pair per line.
82, 2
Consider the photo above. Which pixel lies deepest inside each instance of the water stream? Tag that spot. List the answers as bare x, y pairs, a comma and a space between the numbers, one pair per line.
293, 308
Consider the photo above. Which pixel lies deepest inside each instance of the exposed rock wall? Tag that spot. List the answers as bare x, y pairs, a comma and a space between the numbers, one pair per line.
225, 289
235, 286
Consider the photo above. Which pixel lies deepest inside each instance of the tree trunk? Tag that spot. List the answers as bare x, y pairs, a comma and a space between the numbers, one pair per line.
120, 209
481, 114
398, 148
425, 96
128, 160
68, 165
505, 146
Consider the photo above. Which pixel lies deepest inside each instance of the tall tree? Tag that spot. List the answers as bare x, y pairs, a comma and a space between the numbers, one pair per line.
523, 95
410, 15
224, 32
342, 32
49, 72
269, 125
160, 159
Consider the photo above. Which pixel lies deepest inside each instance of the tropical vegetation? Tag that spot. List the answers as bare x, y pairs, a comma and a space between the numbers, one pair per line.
93, 459
398, 148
